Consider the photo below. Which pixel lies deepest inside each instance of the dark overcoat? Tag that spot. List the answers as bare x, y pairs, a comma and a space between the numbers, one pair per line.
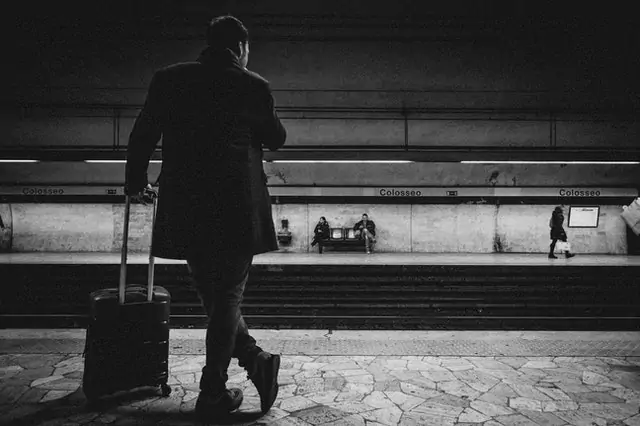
557, 230
322, 230
371, 226
214, 118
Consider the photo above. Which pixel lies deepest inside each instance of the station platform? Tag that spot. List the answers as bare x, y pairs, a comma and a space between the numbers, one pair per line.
340, 258
333, 378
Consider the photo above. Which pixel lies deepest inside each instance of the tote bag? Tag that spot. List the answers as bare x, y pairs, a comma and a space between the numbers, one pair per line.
631, 215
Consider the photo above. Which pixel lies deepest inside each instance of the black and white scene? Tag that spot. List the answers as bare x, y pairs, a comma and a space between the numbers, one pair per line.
320, 213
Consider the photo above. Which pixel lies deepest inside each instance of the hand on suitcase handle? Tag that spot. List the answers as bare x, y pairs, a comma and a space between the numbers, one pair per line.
146, 196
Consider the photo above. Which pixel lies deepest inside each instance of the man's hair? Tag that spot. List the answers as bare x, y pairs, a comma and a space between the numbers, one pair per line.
226, 32
364, 214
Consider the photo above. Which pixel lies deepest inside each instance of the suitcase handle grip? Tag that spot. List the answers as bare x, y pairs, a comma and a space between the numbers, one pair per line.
125, 248
151, 271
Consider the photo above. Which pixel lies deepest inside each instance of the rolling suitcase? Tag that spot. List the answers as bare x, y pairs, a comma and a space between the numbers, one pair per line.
127, 342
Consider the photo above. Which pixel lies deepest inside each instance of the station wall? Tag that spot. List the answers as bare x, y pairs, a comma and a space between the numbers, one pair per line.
464, 228
354, 174
475, 82
97, 128
499, 72
492, 92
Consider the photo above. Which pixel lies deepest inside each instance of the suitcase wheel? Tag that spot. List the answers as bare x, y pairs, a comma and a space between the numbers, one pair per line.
91, 395
165, 389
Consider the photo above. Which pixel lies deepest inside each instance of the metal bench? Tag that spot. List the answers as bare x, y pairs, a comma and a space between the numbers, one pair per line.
342, 238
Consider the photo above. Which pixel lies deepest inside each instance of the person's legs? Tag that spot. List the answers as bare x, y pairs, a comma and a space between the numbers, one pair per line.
220, 283
552, 248
368, 240
567, 253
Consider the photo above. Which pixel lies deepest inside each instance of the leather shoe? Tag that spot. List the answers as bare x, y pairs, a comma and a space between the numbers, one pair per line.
265, 379
212, 407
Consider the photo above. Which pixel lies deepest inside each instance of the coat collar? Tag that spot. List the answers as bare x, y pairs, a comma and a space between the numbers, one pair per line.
219, 58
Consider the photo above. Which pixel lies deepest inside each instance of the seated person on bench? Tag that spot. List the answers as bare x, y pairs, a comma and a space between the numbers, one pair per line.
321, 232
366, 230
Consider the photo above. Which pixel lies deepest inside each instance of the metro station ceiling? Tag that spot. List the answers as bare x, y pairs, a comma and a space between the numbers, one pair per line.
175, 19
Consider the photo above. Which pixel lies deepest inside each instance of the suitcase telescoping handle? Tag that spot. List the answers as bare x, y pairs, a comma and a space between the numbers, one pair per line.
123, 257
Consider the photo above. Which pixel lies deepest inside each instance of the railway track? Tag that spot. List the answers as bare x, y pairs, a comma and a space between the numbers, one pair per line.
348, 297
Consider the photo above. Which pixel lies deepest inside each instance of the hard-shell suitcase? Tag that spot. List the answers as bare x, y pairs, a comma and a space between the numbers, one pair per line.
127, 342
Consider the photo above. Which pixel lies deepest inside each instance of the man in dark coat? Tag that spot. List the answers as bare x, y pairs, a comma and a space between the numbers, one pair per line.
214, 210
366, 230
557, 232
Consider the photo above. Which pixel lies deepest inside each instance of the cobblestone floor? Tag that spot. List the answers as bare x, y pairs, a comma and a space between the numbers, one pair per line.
337, 390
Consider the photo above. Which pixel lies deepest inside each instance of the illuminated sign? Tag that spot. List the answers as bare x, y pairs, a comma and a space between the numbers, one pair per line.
583, 217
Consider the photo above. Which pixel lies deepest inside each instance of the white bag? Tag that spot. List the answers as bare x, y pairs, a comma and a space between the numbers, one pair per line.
631, 216
563, 246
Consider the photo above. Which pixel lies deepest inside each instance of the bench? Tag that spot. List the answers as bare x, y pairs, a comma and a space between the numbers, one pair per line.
342, 238
358, 244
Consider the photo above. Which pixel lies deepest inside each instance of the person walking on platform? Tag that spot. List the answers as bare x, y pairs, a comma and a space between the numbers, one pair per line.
321, 231
366, 229
557, 232
214, 209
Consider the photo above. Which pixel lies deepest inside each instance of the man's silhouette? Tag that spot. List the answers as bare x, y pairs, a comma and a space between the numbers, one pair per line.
214, 210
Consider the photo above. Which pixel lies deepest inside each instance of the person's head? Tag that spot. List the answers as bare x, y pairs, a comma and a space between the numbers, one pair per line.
365, 217
322, 219
227, 32
558, 210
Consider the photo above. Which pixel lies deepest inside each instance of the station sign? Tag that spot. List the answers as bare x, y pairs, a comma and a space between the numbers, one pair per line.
506, 192
60, 190
572, 193
451, 192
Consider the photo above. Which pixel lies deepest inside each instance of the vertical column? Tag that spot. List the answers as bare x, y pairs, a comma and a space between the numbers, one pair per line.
6, 228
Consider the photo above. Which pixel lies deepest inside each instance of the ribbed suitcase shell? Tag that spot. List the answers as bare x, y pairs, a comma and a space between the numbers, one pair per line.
127, 346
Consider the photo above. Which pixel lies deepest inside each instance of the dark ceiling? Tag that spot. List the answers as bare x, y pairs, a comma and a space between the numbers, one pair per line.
185, 19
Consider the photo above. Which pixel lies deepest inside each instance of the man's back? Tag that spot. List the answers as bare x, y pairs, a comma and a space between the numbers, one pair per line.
214, 117
211, 113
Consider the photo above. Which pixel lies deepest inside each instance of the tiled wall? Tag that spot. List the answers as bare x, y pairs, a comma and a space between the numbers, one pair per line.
463, 228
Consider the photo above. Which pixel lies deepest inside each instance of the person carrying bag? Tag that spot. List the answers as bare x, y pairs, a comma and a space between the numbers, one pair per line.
558, 234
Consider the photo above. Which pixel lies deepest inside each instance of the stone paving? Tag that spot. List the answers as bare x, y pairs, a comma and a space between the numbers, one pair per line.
339, 390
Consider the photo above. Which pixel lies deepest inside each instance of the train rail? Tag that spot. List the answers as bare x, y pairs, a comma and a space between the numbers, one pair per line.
352, 297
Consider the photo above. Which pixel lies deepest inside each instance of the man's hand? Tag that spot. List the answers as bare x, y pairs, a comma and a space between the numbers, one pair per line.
146, 196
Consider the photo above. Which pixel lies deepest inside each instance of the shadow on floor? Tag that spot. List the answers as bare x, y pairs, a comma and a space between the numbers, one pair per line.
141, 406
